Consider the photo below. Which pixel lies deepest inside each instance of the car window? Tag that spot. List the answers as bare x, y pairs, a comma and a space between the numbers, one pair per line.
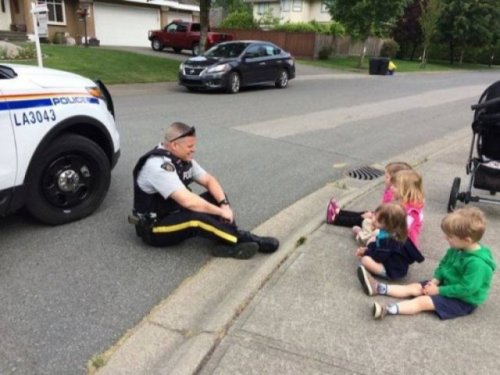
254, 51
181, 28
226, 50
171, 28
195, 27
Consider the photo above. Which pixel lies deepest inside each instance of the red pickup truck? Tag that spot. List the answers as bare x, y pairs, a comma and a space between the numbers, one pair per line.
181, 35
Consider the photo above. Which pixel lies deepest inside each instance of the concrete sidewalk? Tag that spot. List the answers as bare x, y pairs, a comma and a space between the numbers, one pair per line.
302, 310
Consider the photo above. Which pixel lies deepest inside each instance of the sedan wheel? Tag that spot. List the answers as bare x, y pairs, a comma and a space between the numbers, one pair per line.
233, 83
282, 80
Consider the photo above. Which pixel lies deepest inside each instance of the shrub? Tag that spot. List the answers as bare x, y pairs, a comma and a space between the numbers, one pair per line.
296, 27
330, 28
325, 52
389, 48
239, 20
337, 29
27, 52
59, 38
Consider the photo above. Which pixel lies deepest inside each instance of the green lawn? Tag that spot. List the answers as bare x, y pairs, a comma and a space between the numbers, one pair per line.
110, 66
403, 66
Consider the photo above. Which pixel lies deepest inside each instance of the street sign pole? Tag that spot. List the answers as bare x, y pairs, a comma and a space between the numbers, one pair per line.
35, 10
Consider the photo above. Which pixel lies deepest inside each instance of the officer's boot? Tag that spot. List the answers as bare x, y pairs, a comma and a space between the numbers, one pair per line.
241, 250
266, 244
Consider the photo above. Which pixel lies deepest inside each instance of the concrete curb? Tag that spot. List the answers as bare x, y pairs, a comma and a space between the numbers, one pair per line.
180, 334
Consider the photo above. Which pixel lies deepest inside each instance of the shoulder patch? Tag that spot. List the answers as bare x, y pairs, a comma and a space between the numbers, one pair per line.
169, 167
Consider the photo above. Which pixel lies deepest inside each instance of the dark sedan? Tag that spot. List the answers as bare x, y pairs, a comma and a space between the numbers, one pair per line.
232, 65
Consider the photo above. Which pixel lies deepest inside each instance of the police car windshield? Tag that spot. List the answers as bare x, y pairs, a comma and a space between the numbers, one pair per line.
7, 72
226, 50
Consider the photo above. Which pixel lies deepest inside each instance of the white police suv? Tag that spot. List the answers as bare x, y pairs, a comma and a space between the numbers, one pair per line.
58, 143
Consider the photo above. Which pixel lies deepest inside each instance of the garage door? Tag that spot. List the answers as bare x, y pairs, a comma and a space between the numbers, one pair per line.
121, 25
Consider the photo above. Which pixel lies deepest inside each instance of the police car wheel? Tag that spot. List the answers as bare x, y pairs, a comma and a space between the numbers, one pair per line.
68, 180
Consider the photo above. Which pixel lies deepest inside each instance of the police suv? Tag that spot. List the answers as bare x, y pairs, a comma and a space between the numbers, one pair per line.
58, 143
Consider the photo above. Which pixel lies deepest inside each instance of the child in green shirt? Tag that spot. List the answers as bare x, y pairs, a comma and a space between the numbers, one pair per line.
461, 281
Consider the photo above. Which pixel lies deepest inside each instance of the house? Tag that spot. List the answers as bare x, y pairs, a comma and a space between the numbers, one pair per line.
292, 10
118, 22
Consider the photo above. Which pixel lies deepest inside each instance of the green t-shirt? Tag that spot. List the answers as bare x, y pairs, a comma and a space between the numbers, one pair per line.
466, 275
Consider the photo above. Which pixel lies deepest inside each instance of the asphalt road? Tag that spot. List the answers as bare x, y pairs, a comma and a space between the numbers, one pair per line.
69, 292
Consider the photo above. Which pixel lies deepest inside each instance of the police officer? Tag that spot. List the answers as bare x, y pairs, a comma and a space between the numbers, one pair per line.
166, 212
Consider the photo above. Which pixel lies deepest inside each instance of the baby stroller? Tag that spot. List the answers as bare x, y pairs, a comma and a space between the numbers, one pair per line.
483, 165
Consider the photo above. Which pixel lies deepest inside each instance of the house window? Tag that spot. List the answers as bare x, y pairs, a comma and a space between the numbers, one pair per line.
56, 12
297, 5
324, 8
285, 5
262, 8
3, 6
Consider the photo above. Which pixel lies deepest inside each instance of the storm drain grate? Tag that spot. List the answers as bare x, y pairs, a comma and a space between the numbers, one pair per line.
365, 173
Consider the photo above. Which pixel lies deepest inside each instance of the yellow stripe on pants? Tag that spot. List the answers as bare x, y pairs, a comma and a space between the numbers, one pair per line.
195, 224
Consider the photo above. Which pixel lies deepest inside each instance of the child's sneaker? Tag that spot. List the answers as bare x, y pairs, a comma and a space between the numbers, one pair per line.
379, 311
367, 282
331, 211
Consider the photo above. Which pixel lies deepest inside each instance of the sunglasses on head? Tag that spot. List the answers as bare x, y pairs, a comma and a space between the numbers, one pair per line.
190, 132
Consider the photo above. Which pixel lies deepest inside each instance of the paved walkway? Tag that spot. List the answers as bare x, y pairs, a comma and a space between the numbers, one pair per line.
302, 311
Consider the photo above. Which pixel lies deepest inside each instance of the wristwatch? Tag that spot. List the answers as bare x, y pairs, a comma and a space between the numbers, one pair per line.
223, 201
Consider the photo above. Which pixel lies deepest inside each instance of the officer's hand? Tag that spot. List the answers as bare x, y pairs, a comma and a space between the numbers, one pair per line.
227, 213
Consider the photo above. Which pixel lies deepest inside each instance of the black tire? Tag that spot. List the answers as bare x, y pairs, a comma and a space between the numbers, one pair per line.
195, 49
455, 188
68, 180
282, 80
177, 50
233, 83
156, 44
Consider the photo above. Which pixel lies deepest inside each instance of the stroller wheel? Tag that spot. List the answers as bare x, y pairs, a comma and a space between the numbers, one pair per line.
452, 202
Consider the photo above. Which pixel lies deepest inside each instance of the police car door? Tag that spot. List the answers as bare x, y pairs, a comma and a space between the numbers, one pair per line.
8, 159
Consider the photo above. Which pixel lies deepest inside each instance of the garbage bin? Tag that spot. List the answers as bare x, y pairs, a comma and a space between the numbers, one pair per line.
379, 65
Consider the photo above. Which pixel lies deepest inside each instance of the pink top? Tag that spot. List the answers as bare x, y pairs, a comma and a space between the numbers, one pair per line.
388, 195
414, 220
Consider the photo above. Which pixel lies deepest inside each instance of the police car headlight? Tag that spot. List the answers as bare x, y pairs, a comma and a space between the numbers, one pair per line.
181, 67
218, 68
95, 92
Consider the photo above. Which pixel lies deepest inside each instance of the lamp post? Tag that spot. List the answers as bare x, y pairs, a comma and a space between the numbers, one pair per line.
82, 12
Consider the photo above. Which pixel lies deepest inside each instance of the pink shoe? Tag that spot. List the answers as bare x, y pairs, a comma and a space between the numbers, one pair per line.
331, 211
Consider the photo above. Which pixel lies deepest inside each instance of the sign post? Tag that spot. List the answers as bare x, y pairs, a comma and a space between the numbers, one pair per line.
39, 14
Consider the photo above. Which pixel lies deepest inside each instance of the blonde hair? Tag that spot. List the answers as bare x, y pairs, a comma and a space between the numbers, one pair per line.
408, 184
465, 222
396, 166
392, 218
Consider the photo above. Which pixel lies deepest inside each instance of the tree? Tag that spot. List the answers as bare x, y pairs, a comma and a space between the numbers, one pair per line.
204, 20
430, 12
465, 23
363, 18
407, 31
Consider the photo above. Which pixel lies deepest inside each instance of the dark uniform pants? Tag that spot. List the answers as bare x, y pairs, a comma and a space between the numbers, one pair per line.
182, 224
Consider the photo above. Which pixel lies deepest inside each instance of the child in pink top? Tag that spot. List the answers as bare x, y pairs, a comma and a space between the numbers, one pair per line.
408, 189
362, 222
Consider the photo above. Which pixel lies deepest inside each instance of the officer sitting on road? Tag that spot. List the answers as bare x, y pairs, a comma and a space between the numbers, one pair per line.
166, 212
